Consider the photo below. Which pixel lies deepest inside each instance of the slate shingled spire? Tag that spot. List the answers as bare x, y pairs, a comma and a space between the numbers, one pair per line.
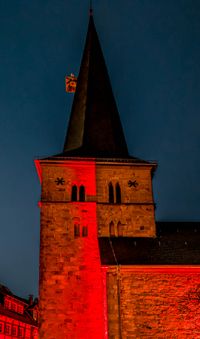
94, 128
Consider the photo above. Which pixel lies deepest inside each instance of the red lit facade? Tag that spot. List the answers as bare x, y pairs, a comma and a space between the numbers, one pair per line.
97, 284
153, 302
107, 269
73, 282
18, 317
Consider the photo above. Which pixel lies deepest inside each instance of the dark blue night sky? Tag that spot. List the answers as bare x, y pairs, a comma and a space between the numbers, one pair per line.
152, 50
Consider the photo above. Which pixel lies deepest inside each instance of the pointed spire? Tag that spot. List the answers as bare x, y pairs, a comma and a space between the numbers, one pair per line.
94, 127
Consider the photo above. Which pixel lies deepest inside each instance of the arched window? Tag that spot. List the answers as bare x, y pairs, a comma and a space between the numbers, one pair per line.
74, 193
84, 231
118, 194
119, 229
82, 193
111, 193
112, 229
76, 230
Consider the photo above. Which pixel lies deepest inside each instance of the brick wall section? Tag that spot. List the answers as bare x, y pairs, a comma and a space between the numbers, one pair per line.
154, 304
71, 288
136, 212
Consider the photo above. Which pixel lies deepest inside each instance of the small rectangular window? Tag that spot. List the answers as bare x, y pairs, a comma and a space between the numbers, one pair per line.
14, 330
85, 231
74, 193
7, 304
20, 332
20, 309
1, 327
112, 229
13, 307
82, 193
7, 329
77, 230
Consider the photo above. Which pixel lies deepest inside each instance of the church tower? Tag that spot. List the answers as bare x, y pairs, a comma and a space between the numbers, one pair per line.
92, 190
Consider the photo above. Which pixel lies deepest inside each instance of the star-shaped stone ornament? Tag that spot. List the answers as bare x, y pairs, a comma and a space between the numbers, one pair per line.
60, 181
132, 183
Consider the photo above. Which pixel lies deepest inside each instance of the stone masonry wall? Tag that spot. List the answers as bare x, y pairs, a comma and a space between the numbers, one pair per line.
135, 214
154, 303
71, 286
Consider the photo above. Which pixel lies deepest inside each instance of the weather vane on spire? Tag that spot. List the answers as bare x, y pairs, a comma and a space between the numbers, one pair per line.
91, 10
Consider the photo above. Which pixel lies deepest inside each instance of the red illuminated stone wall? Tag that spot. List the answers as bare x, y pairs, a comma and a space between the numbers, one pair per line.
71, 278
135, 213
73, 301
154, 302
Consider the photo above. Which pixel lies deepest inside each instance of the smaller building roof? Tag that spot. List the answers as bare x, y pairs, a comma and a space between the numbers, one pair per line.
26, 317
4, 290
177, 243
